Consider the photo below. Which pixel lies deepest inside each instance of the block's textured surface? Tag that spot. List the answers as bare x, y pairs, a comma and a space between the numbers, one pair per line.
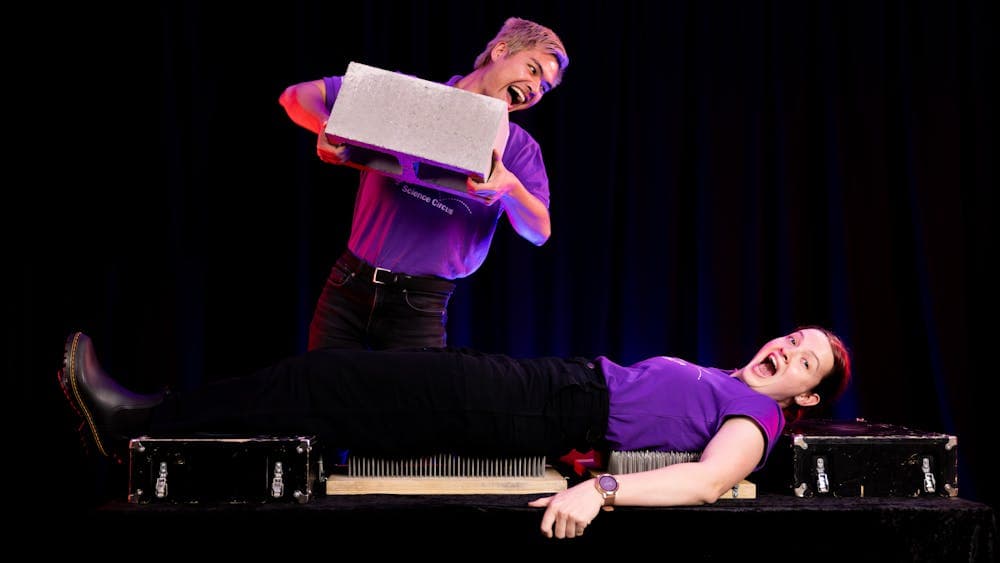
415, 130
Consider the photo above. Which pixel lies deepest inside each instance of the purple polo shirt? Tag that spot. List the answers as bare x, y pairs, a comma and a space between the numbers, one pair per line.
426, 232
668, 404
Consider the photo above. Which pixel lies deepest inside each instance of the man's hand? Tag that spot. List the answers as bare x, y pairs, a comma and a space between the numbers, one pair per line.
331, 153
500, 183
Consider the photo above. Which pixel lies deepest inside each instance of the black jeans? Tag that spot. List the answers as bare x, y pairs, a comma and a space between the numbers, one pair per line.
361, 308
406, 403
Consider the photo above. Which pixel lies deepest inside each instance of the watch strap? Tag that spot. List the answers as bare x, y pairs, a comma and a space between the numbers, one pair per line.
607, 494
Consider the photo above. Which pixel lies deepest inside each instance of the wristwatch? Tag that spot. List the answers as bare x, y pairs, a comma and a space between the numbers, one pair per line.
607, 485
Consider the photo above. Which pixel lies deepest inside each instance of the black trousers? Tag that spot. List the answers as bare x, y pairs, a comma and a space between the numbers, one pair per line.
406, 402
360, 308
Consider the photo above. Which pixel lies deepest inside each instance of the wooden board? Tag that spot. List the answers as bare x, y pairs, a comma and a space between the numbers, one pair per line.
552, 482
743, 490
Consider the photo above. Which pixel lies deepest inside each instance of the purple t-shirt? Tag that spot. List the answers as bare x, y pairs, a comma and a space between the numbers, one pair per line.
426, 232
668, 404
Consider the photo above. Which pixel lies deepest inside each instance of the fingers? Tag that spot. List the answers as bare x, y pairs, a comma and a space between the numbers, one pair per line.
548, 518
332, 153
556, 523
497, 164
483, 190
567, 528
541, 502
339, 155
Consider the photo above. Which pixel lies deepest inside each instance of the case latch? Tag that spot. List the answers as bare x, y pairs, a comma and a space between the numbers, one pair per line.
822, 479
277, 483
161, 481
930, 485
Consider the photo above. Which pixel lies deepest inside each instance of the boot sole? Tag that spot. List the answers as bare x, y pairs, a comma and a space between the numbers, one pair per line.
68, 383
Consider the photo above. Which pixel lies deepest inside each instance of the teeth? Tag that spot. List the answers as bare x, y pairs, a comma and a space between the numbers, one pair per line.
768, 366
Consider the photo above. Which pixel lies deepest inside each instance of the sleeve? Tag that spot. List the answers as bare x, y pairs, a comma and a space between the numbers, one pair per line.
768, 416
523, 157
333, 89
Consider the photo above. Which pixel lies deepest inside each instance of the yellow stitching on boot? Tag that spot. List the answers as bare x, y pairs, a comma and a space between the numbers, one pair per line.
79, 400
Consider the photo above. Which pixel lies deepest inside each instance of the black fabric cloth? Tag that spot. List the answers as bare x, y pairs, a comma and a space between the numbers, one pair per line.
407, 402
465, 527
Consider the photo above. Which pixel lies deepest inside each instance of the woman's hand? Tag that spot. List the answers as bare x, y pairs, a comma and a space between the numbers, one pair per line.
569, 512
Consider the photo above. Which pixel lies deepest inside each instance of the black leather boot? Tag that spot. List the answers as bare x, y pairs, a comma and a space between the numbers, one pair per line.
110, 412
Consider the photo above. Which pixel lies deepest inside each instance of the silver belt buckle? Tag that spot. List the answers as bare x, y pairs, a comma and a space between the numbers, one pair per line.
375, 279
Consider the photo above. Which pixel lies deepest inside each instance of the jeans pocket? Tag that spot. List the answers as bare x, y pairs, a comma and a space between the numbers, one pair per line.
426, 302
340, 274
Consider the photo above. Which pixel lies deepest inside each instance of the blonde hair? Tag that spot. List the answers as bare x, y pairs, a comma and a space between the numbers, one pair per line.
520, 35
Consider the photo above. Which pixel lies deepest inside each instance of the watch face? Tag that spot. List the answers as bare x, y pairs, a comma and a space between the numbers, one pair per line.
608, 483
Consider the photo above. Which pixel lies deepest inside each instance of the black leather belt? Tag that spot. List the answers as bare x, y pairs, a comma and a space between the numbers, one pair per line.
383, 276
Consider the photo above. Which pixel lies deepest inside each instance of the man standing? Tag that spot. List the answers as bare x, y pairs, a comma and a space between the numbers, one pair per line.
391, 287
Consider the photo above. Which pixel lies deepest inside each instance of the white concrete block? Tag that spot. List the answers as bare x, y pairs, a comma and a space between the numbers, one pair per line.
417, 131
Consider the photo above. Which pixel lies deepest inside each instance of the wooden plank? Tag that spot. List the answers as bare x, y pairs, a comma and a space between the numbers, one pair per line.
743, 490
552, 482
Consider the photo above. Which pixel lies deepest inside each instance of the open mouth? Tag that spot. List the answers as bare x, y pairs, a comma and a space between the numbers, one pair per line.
768, 366
517, 96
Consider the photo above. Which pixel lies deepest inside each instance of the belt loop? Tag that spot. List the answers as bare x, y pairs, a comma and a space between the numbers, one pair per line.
375, 279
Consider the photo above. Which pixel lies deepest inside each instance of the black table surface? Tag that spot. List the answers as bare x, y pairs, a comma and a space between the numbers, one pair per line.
459, 526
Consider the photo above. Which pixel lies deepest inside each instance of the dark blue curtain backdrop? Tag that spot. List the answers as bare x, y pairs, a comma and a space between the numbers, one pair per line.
721, 172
